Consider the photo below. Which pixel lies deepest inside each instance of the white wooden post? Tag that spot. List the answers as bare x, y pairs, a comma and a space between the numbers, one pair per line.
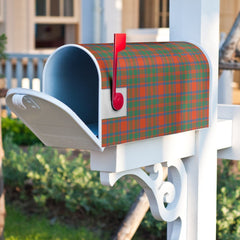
225, 94
225, 87
198, 21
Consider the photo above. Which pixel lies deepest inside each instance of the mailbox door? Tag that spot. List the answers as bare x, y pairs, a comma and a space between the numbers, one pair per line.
53, 122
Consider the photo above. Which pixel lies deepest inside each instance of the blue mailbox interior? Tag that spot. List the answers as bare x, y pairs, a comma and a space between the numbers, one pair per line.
71, 76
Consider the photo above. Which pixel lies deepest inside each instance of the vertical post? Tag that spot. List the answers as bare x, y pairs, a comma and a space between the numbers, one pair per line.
97, 21
225, 87
197, 21
30, 72
19, 72
8, 73
40, 66
87, 22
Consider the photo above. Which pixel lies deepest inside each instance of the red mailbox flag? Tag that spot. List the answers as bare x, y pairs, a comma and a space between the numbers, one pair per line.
119, 45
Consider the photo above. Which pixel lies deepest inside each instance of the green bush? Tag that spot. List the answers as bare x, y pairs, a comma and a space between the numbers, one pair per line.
228, 205
19, 132
3, 42
66, 179
55, 177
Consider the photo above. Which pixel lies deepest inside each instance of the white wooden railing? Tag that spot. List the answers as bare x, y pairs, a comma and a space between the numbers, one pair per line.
23, 70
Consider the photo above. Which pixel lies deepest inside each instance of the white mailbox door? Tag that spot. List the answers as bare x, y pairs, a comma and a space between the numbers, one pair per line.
53, 122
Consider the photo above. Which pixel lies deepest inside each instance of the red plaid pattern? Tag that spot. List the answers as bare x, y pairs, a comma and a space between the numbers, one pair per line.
167, 89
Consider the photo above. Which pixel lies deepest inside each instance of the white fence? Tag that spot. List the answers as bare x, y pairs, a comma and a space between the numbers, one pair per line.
22, 70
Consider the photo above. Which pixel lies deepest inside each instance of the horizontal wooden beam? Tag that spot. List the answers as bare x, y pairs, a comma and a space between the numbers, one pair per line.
229, 65
232, 113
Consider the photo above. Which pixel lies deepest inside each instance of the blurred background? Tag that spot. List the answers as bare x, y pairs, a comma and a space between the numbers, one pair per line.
39, 26
35, 28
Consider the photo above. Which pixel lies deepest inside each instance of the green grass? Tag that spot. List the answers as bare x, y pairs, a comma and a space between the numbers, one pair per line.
21, 227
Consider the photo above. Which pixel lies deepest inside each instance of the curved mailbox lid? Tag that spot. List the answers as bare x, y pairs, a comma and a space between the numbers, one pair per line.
54, 123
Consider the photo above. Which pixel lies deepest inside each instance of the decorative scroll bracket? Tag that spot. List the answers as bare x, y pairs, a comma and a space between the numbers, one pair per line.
168, 199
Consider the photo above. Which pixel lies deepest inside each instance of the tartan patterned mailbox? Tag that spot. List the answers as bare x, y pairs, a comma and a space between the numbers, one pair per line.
165, 87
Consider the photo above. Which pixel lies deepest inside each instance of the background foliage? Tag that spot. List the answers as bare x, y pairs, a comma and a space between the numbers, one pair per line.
19, 132
51, 178
48, 177
3, 41
228, 204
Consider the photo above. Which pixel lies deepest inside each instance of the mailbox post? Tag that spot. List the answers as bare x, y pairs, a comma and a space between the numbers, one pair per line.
198, 20
122, 138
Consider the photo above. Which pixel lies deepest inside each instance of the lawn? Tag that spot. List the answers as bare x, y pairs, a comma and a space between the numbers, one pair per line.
21, 227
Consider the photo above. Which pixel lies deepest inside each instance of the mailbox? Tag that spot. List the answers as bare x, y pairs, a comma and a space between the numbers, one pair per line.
165, 90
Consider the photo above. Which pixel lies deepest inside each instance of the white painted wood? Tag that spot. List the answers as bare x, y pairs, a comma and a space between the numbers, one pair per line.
112, 19
159, 192
106, 106
177, 175
148, 35
56, 20
54, 123
224, 134
225, 87
97, 13
87, 22
16, 22
231, 112
144, 152
198, 21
